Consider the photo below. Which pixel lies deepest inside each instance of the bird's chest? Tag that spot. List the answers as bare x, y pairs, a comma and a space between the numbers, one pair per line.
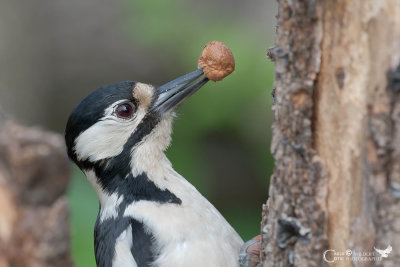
187, 235
145, 224
164, 235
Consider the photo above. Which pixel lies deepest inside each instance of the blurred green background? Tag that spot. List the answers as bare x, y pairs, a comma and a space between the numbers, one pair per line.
57, 52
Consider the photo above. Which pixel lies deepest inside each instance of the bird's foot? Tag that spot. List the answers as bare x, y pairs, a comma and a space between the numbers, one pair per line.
250, 253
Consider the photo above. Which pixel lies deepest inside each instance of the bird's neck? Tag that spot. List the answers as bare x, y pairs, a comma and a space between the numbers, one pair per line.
151, 160
148, 156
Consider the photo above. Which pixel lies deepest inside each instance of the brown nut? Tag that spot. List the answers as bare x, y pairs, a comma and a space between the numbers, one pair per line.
217, 61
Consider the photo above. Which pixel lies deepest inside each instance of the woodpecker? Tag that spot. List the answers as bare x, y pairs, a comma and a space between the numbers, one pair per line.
149, 214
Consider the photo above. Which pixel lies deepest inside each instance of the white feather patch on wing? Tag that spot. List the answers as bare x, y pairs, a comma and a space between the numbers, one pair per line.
123, 256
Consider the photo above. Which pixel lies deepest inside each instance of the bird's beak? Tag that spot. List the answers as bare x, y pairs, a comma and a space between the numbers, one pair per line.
171, 94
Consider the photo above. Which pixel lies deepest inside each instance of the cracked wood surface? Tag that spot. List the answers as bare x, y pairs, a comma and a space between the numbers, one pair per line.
336, 135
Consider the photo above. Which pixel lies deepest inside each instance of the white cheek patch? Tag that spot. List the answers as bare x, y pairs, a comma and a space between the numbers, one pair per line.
107, 137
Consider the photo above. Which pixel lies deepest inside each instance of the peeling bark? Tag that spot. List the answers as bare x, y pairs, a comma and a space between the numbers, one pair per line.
34, 173
336, 135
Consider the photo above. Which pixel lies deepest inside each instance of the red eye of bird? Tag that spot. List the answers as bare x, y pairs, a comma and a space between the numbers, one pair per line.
124, 110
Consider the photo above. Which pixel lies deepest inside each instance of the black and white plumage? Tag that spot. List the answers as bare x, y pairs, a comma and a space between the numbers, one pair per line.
149, 214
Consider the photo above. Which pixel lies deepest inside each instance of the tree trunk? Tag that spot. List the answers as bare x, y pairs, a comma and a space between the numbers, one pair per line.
34, 174
336, 135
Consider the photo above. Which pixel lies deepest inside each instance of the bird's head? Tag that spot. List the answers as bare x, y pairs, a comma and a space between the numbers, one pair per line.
125, 127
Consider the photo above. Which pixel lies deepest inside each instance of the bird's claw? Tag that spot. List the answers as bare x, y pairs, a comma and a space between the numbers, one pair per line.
250, 253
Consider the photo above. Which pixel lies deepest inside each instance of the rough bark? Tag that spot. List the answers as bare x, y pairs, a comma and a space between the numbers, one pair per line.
34, 173
336, 135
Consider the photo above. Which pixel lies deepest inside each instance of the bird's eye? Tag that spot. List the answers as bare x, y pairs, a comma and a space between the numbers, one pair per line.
124, 110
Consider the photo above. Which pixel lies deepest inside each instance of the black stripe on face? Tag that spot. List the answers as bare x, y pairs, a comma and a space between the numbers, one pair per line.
91, 109
119, 166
